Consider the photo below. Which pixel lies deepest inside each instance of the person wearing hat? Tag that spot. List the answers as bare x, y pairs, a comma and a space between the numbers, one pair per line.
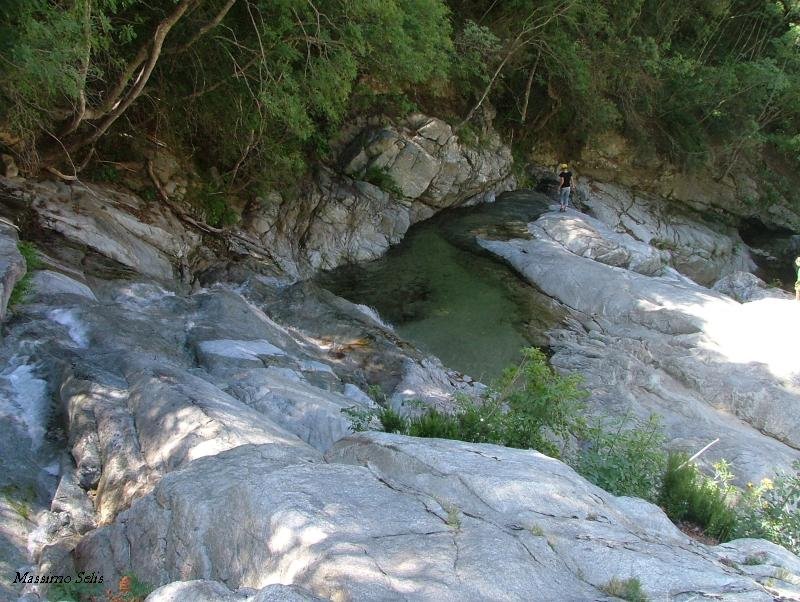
565, 182
797, 282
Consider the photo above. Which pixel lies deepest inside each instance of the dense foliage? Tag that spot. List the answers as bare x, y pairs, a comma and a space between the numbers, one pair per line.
771, 510
688, 495
257, 87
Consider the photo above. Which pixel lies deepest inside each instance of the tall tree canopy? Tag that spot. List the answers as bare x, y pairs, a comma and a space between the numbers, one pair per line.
257, 87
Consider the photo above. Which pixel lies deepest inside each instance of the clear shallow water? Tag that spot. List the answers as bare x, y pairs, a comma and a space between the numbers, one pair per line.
447, 296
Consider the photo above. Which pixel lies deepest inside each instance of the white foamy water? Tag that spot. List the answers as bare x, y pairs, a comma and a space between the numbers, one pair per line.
141, 294
23, 400
373, 314
69, 319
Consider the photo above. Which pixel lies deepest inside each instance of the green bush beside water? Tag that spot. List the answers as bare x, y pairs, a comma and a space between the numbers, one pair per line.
32, 262
533, 407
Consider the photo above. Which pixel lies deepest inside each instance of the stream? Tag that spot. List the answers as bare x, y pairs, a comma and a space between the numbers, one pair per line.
442, 292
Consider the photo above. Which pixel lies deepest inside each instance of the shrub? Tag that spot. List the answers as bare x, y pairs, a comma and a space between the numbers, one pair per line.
772, 510
104, 172
360, 418
435, 424
378, 176
32, 262
627, 589
392, 422
211, 201
543, 408
624, 460
688, 495
531, 408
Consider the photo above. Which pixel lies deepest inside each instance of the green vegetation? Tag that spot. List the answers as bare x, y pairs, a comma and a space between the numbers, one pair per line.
252, 87
383, 180
257, 88
627, 589
20, 499
32, 262
625, 458
532, 407
770, 510
453, 516
361, 419
688, 495
212, 203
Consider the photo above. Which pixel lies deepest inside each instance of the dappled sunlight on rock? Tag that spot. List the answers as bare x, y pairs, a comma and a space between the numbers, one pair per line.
711, 366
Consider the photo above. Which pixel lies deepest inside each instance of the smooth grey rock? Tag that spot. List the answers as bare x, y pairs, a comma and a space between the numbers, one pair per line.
236, 517
103, 219
314, 415
340, 219
694, 248
777, 569
711, 367
192, 415
197, 590
47, 282
573, 530
745, 287
12, 265
587, 237
200, 590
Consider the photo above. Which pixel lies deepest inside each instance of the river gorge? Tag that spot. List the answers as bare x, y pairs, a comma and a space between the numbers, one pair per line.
177, 403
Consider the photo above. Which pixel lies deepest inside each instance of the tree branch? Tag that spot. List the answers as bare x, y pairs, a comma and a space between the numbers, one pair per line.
152, 56
204, 29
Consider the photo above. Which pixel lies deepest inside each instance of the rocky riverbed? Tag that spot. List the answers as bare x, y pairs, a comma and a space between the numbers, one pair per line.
715, 363
172, 410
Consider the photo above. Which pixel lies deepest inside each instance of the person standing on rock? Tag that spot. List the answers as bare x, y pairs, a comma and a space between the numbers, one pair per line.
797, 282
565, 185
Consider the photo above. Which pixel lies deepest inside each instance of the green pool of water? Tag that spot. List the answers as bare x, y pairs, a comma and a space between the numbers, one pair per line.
444, 294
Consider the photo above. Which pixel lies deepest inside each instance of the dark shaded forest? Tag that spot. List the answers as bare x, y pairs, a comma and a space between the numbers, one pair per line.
258, 88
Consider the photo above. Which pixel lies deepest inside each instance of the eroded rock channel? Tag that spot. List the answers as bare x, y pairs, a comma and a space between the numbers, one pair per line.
192, 435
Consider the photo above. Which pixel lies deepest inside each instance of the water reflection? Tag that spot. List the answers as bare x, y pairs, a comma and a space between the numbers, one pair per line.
448, 297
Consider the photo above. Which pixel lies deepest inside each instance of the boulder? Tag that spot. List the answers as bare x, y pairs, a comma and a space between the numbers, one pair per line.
416, 167
570, 528
213, 591
588, 237
106, 221
711, 367
48, 282
744, 287
393, 517
701, 249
